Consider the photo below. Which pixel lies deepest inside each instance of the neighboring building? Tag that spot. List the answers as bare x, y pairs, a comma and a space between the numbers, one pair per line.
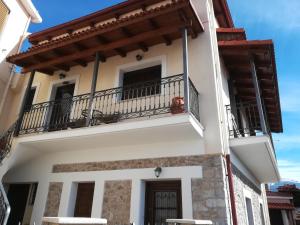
281, 208
15, 17
284, 203
144, 111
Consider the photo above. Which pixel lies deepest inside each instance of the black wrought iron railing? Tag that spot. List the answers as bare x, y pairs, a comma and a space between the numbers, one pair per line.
6, 142
243, 120
4, 206
140, 100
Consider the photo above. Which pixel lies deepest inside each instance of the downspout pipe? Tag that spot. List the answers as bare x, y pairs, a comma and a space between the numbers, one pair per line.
231, 190
32, 11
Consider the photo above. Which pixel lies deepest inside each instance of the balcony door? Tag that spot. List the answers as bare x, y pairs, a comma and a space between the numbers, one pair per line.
163, 201
61, 106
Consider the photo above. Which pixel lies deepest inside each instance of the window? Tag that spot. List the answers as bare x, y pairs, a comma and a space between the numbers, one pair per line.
4, 11
29, 100
249, 211
262, 216
140, 83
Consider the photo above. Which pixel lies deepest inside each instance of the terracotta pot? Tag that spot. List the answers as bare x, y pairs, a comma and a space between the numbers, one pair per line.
177, 105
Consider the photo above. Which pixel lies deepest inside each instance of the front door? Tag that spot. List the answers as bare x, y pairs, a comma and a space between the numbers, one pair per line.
163, 201
17, 197
61, 107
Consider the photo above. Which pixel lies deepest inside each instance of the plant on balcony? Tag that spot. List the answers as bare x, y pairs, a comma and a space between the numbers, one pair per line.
177, 105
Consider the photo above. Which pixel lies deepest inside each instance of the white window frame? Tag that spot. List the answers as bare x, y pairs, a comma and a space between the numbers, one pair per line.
145, 63
261, 206
248, 195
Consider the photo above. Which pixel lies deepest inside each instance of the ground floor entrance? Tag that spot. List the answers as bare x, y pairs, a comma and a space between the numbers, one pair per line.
21, 198
163, 201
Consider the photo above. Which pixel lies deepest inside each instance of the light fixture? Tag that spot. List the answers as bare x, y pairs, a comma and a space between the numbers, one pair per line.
139, 57
62, 76
157, 171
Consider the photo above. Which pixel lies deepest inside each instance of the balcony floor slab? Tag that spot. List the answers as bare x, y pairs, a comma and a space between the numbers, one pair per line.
257, 153
164, 129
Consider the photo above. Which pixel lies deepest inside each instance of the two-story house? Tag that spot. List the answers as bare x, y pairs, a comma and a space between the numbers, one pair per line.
15, 17
145, 111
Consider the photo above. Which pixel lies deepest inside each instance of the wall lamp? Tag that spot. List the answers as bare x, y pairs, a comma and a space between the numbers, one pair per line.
157, 171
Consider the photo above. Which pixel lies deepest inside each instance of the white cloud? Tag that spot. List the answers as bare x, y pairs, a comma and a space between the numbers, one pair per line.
276, 13
289, 170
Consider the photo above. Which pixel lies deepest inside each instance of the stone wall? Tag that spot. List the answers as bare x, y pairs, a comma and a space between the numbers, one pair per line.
209, 195
53, 199
116, 202
241, 183
195, 160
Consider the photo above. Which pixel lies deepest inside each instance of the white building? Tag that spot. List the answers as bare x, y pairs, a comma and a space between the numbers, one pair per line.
144, 111
15, 18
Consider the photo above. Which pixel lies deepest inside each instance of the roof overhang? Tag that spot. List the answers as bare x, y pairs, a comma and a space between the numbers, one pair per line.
141, 28
222, 13
237, 53
258, 155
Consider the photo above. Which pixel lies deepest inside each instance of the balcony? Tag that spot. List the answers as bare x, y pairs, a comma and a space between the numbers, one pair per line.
250, 144
138, 114
157, 98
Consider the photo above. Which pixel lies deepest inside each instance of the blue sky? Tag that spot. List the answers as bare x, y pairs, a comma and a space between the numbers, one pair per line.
262, 19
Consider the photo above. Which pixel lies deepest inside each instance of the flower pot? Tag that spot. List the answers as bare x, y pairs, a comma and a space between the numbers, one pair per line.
177, 105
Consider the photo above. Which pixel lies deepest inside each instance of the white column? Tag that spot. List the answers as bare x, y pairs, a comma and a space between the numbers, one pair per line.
187, 201
284, 217
40, 203
67, 200
98, 199
137, 202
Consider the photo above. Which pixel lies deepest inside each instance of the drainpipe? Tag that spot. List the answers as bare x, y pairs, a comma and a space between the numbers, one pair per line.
12, 71
231, 190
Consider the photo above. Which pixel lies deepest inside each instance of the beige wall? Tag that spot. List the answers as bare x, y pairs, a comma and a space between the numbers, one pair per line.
108, 77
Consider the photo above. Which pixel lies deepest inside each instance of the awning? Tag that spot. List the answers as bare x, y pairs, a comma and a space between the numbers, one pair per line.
236, 52
131, 26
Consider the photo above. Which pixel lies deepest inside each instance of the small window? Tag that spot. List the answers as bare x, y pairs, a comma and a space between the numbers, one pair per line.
4, 11
140, 83
262, 215
29, 100
249, 211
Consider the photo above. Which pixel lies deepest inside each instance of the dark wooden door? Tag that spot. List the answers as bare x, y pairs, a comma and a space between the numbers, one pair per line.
84, 200
17, 197
163, 201
61, 107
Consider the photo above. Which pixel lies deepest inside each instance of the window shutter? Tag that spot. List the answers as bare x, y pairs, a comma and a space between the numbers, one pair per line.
4, 11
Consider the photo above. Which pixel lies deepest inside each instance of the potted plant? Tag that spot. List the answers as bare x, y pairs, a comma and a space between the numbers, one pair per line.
177, 105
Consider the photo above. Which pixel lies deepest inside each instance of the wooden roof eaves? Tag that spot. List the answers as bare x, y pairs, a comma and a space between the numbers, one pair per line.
251, 46
68, 25
102, 29
120, 43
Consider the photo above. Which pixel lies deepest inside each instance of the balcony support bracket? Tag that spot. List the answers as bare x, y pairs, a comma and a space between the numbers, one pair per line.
93, 89
185, 58
258, 96
22, 110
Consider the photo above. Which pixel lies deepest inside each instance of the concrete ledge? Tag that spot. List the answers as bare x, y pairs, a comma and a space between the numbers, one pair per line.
73, 220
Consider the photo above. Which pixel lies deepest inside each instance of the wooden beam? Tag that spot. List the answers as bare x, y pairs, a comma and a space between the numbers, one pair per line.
103, 41
114, 45
185, 19
81, 62
154, 25
81, 47
141, 45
